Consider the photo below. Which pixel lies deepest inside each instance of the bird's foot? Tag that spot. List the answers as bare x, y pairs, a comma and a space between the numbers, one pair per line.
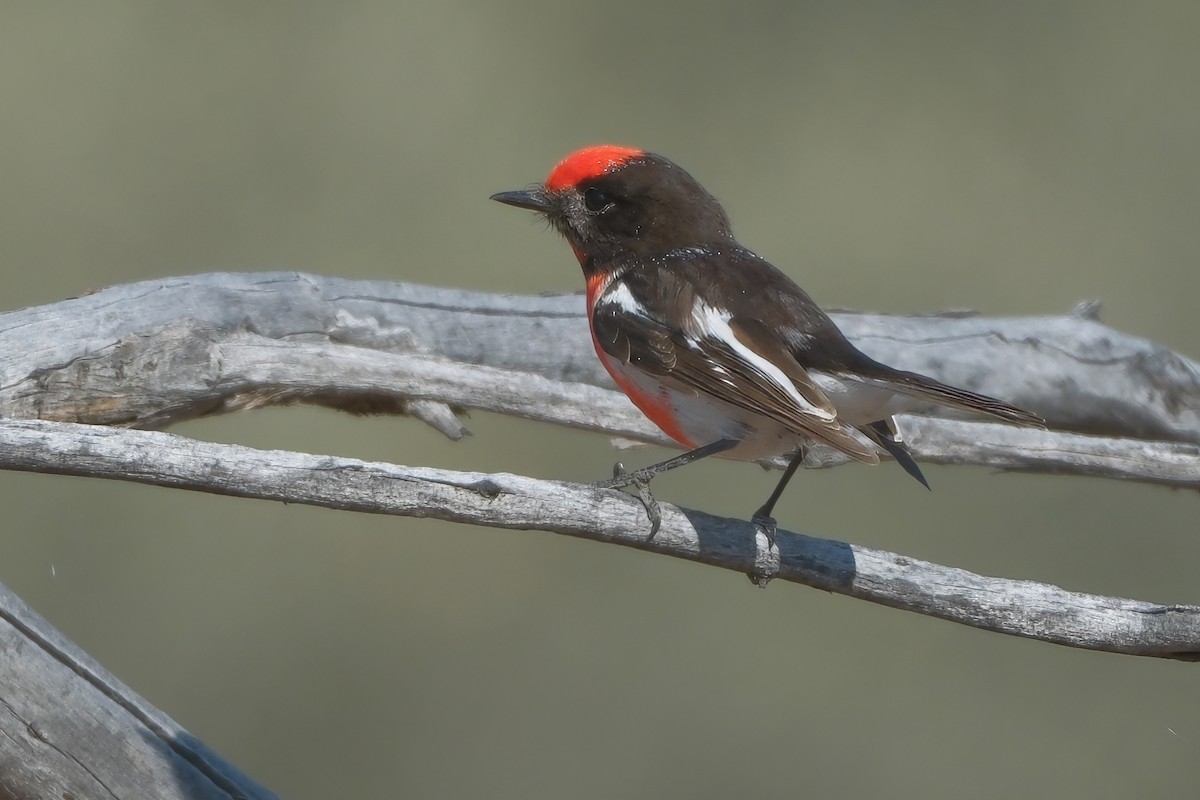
640, 481
766, 553
766, 526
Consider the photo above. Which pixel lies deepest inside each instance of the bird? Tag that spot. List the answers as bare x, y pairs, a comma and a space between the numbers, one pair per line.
724, 352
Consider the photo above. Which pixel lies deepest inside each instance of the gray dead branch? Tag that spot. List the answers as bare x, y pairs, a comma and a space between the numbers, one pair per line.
148, 355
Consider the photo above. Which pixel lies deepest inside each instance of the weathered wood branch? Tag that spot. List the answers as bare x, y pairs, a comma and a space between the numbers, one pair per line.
151, 354
1021, 608
68, 728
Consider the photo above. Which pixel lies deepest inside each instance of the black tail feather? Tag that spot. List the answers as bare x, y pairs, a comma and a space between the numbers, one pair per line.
883, 433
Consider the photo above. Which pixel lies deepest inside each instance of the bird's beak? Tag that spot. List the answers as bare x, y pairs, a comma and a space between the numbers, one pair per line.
535, 198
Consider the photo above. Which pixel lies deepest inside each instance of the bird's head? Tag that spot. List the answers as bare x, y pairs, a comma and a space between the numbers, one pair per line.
611, 202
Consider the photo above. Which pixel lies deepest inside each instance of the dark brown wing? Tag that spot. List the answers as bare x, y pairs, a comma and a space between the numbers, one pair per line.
764, 299
666, 330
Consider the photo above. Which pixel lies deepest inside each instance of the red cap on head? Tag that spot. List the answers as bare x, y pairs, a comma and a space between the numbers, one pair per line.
588, 163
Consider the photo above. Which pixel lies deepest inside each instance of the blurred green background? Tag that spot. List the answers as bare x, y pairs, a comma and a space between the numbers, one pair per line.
1014, 157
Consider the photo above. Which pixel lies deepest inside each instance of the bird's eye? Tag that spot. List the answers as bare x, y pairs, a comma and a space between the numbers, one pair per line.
595, 200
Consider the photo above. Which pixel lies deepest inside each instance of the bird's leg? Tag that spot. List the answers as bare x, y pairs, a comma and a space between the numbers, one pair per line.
762, 518
766, 565
621, 478
640, 478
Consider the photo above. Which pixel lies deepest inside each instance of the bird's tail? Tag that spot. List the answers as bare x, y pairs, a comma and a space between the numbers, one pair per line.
919, 386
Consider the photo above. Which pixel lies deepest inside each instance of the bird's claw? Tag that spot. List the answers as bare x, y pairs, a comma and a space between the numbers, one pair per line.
766, 526
766, 562
641, 482
651, 506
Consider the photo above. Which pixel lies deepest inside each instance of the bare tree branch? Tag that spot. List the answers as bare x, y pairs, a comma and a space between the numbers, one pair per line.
137, 354
1021, 608
68, 728
151, 354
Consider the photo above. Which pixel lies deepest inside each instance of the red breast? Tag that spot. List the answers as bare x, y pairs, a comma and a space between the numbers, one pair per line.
656, 405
